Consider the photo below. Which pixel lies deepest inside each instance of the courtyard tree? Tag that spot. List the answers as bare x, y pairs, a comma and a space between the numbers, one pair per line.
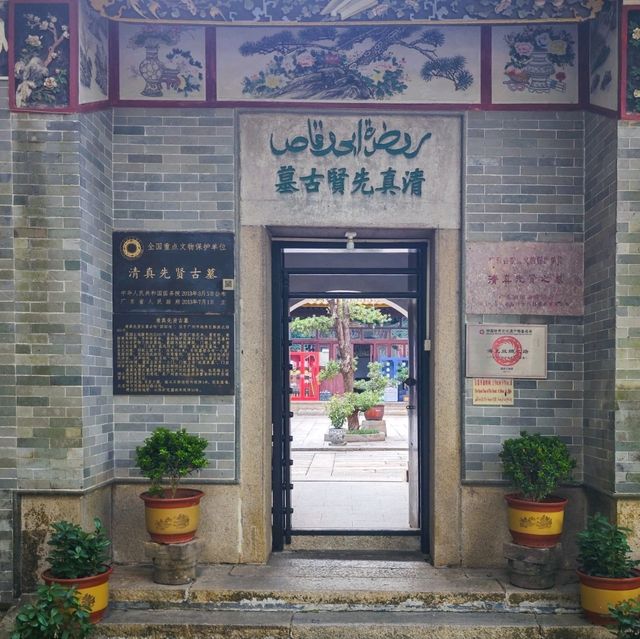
338, 318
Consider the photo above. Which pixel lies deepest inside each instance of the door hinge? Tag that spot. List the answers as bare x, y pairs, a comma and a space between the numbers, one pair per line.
427, 345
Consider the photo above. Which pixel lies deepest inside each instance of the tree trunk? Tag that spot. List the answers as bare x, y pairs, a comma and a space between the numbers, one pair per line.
342, 321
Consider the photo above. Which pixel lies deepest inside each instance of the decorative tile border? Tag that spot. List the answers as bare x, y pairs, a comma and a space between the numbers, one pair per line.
630, 63
289, 13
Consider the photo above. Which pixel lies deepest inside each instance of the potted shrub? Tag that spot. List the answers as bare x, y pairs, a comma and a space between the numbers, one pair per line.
78, 559
626, 616
536, 465
172, 514
57, 612
339, 409
373, 389
608, 575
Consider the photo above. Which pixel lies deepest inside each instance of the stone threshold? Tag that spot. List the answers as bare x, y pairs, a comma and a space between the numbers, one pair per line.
199, 624
315, 584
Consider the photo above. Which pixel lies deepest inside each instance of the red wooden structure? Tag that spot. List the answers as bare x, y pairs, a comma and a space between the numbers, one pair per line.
304, 376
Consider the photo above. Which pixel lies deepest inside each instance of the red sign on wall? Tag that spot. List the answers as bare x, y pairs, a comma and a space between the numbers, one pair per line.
524, 278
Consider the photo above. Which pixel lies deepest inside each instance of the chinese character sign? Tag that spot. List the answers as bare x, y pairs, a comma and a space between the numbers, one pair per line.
492, 392
524, 278
507, 350
173, 272
173, 354
333, 169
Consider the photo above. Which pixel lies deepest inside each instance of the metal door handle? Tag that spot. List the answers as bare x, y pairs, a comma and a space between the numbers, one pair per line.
410, 407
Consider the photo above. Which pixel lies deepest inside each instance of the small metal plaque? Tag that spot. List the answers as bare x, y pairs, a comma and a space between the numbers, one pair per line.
492, 392
507, 350
172, 272
173, 354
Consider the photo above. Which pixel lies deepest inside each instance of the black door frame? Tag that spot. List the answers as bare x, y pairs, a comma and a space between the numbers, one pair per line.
281, 412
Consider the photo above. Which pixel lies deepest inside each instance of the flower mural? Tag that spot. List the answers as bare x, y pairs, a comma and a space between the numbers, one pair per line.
42, 56
93, 55
4, 45
357, 63
170, 68
633, 63
321, 11
537, 60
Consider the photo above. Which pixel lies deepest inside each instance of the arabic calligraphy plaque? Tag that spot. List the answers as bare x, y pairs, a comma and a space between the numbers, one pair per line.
338, 170
173, 354
173, 272
524, 278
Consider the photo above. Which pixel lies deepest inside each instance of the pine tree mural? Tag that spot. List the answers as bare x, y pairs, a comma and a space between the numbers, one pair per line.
358, 63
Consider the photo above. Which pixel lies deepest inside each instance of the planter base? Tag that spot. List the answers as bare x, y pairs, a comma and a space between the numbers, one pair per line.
174, 564
532, 568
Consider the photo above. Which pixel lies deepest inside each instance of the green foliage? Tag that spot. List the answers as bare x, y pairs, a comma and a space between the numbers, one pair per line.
56, 614
402, 374
364, 314
604, 550
331, 370
366, 400
171, 455
536, 464
627, 617
340, 408
308, 326
375, 383
76, 553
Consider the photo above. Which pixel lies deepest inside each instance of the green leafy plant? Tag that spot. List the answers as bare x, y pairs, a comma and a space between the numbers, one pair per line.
340, 408
627, 617
330, 370
536, 464
170, 455
56, 614
76, 553
402, 374
604, 550
375, 383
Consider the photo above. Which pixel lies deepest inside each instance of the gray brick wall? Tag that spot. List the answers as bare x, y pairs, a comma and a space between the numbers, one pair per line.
627, 391
174, 170
48, 319
524, 182
600, 313
8, 408
96, 225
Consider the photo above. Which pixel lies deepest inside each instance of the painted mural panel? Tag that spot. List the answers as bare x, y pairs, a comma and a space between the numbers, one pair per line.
93, 32
534, 64
603, 57
41, 37
4, 45
633, 63
162, 63
402, 64
321, 11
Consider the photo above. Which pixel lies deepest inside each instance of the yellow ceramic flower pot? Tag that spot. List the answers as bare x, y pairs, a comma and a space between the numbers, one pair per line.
172, 520
598, 593
537, 524
93, 591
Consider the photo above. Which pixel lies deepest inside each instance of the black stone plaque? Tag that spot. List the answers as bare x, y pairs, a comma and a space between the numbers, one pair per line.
173, 272
172, 354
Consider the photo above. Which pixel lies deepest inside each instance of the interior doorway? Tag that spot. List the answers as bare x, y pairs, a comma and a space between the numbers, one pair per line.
326, 367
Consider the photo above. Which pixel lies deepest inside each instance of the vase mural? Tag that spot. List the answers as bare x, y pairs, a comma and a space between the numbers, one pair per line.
171, 67
534, 64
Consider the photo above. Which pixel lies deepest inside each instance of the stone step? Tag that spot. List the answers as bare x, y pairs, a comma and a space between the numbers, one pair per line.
300, 585
186, 623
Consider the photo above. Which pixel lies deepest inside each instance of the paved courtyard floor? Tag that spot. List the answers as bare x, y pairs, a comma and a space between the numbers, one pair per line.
361, 486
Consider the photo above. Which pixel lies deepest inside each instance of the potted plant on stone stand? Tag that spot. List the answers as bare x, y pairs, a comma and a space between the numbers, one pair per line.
78, 559
608, 575
172, 513
536, 465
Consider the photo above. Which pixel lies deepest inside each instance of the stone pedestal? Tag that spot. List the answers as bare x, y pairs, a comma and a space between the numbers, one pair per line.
173, 564
375, 424
532, 568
